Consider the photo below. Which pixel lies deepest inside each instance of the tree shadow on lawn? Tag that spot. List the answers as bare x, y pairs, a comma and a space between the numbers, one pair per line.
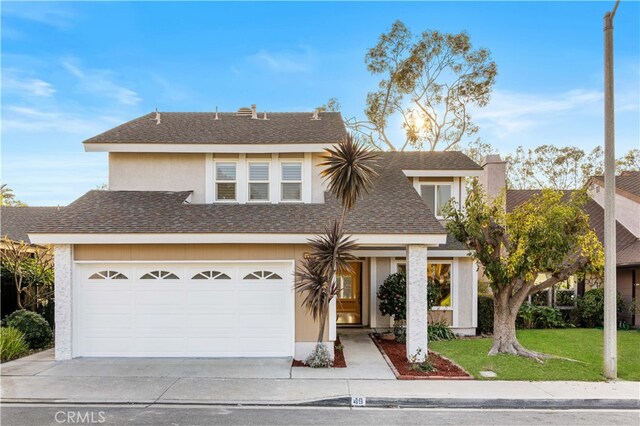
583, 345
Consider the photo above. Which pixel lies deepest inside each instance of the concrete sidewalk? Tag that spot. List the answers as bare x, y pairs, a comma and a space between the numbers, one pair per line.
337, 392
39, 379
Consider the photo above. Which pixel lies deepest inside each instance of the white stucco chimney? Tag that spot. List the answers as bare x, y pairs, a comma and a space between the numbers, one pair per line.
254, 111
494, 175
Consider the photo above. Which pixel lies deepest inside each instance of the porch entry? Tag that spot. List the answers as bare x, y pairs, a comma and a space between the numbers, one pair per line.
349, 300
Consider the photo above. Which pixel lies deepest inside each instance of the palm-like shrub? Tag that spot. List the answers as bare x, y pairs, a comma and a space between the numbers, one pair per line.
349, 170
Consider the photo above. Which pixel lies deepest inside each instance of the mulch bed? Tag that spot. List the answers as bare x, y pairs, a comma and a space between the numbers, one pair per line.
395, 354
338, 362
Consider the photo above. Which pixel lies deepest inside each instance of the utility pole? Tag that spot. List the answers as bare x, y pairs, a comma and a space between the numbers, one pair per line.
610, 291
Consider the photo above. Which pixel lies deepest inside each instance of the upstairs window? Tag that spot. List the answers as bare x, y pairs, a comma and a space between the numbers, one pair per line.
291, 181
258, 181
226, 181
436, 196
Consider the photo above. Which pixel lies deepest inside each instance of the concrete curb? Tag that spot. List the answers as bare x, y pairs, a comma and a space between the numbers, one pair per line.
375, 402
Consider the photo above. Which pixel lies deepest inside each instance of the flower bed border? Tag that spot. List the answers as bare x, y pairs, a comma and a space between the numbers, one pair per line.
411, 377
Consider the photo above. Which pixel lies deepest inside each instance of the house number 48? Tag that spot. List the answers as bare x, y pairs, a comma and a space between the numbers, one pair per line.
358, 401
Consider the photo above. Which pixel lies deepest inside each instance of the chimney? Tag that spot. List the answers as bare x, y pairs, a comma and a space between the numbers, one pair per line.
254, 113
494, 175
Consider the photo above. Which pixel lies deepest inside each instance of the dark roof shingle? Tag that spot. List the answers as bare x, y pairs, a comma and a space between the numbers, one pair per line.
627, 182
392, 207
203, 128
17, 221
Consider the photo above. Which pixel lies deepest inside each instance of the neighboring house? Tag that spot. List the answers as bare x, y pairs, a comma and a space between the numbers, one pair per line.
192, 250
14, 224
627, 242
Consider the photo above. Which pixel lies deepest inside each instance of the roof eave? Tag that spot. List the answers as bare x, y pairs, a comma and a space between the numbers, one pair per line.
206, 147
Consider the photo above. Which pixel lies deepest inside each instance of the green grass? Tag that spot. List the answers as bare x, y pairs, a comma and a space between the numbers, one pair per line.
584, 345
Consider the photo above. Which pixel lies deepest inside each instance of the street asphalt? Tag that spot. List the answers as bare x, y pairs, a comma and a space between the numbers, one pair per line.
158, 415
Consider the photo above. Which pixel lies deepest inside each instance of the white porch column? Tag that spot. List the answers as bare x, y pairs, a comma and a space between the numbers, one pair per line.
417, 301
63, 261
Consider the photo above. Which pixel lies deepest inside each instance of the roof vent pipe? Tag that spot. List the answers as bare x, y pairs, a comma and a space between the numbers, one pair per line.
157, 117
216, 116
264, 117
254, 113
316, 114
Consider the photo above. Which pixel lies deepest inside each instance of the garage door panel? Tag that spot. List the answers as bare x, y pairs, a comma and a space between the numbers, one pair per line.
108, 321
205, 317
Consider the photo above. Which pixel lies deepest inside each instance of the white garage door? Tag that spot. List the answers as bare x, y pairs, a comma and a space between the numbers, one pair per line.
184, 309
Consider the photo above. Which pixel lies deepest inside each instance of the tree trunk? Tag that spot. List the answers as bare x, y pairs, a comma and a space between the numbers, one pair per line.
504, 328
323, 320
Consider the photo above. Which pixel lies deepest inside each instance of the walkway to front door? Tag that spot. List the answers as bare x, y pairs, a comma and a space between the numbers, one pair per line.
364, 360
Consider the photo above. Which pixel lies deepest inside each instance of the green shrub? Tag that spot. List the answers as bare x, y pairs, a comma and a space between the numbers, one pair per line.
485, 314
548, 317
439, 331
12, 344
36, 329
532, 316
393, 296
591, 308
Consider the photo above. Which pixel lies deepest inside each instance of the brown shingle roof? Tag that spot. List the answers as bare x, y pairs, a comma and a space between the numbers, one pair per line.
17, 221
627, 183
392, 207
433, 160
630, 255
624, 237
203, 128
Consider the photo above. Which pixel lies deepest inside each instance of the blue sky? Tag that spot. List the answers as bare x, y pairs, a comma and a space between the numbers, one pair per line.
72, 70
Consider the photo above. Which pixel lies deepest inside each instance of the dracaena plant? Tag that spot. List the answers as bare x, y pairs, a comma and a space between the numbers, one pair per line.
350, 173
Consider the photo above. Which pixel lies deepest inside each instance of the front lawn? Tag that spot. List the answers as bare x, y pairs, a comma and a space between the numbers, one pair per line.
585, 345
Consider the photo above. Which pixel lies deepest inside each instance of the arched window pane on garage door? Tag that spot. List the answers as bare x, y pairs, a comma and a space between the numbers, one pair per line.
261, 275
159, 275
108, 275
211, 275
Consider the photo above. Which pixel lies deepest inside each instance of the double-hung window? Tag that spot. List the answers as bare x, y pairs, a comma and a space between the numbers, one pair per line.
226, 181
259, 181
436, 195
291, 181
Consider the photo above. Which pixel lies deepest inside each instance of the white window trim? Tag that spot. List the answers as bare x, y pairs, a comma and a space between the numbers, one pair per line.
454, 286
418, 184
266, 162
301, 181
216, 181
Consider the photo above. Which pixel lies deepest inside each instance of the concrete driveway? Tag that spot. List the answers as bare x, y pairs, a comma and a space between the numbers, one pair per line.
42, 364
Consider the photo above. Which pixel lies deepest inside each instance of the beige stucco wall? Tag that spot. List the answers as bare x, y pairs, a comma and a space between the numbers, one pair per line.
318, 184
306, 328
158, 172
466, 298
627, 210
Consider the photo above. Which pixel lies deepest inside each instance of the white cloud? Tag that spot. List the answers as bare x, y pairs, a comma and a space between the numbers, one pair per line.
27, 86
101, 82
510, 113
285, 61
57, 15
34, 120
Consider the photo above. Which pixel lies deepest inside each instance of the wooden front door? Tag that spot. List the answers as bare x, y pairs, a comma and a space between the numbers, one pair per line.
349, 300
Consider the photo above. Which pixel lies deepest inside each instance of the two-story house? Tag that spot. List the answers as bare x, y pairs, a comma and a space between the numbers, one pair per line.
192, 249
